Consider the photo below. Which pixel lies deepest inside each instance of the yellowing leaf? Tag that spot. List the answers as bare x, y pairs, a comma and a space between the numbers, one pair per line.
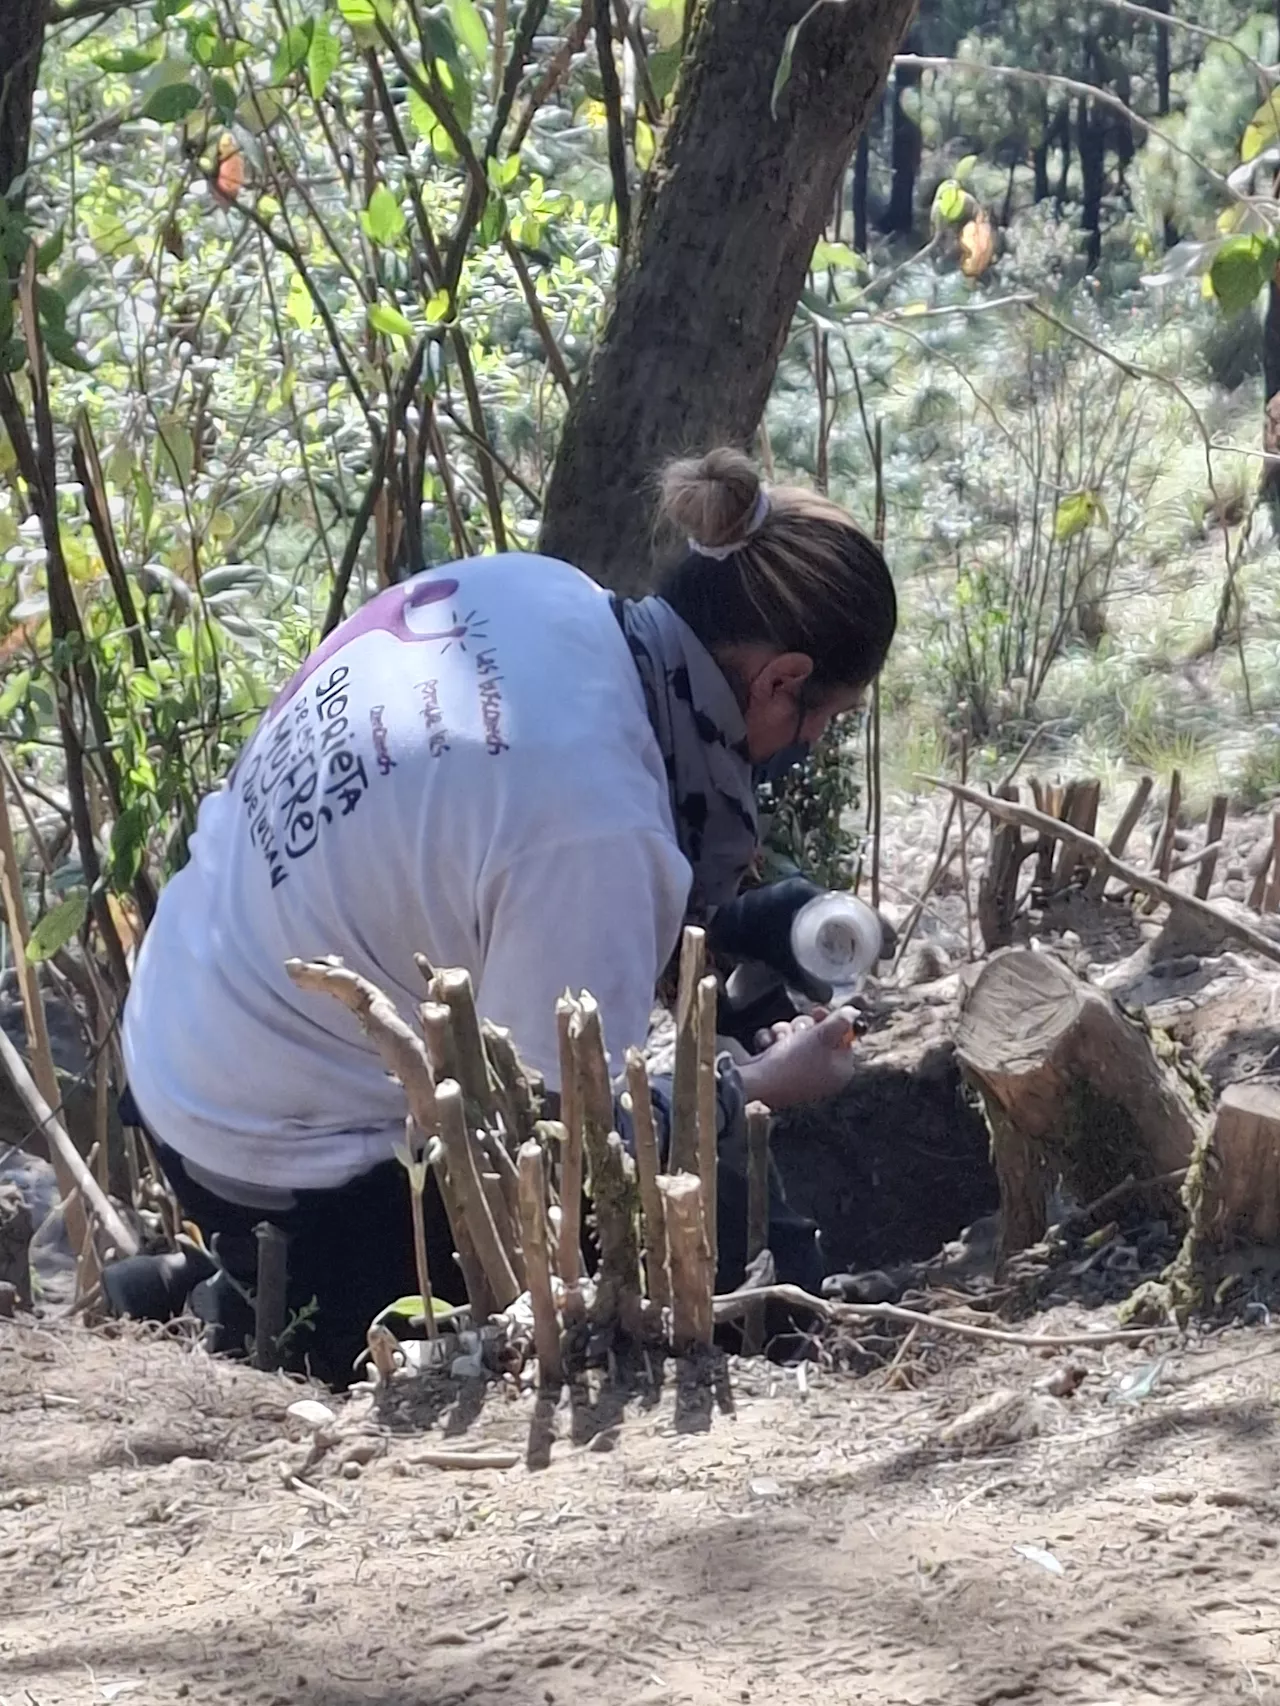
390, 321
644, 145
1262, 129
977, 246
838, 255
298, 304
1239, 270
1074, 513
965, 167
438, 307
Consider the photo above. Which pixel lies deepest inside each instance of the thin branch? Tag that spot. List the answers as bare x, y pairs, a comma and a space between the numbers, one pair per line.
612, 93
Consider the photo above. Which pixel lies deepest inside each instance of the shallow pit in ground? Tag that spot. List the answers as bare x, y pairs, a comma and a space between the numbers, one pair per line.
898, 1166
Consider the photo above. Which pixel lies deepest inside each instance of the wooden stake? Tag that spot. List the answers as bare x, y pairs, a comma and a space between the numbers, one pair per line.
505, 1226
269, 1298
708, 1122
1010, 813
759, 1124
1272, 901
613, 1177
1162, 858
647, 1166
691, 1272
1081, 810
570, 1253
533, 1227
511, 1087
1212, 844
479, 1293
453, 988
417, 1174
464, 1176
502, 1163
684, 1090
1120, 836
1258, 892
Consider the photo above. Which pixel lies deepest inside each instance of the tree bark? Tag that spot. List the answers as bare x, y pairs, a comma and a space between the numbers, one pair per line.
1073, 1090
1245, 1186
732, 208
1270, 482
861, 174
1092, 142
900, 214
22, 32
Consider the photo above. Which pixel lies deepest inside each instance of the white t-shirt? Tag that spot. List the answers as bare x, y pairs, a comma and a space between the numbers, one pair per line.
465, 770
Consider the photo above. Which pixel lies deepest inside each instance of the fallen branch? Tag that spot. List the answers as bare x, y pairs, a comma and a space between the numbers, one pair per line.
1007, 812
68, 1155
731, 1304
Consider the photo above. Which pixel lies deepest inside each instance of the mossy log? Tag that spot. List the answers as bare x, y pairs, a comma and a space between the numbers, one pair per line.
1074, 1090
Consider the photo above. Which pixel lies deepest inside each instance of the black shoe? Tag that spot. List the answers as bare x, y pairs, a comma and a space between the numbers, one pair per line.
156, 1288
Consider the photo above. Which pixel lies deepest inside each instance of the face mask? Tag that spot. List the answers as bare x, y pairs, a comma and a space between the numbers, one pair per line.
780, 766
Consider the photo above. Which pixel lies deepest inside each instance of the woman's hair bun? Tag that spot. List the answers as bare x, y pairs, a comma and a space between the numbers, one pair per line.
710, 498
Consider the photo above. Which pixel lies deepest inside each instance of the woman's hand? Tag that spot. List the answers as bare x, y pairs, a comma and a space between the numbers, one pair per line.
807, 1060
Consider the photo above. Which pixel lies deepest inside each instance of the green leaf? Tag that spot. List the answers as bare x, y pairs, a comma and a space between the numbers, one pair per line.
390, 321
951, 202
782, 76
291, 55
438, 308
469, 28
383, 219
128, 844
15, 691
323, 58
503, 173
298, 304
1239, 270
837, 255
429, 128
965, 167
177, 450
358, 12
171, 102
1075, 512
1262, 129
58, 926
410, 1309
132, 58
224, 98
493, 221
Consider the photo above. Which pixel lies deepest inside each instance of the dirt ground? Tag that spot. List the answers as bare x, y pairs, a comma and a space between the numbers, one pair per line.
840, 1543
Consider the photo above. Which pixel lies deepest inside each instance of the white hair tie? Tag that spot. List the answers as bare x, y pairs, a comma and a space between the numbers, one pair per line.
755, 521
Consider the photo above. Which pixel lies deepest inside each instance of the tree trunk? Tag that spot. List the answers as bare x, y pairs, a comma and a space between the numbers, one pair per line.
861, 173
900, 215
1245, 1185
22, 32
732, 208
1073, 1089
1064, 169
1092, 144
1270, 482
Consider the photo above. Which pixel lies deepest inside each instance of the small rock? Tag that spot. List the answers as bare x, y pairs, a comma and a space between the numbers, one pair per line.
311, 1413
351, 1470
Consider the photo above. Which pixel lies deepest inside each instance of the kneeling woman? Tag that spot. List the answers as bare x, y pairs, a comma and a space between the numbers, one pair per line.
498, 766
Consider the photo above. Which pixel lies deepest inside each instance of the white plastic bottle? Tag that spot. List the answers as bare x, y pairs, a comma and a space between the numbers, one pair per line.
837, 939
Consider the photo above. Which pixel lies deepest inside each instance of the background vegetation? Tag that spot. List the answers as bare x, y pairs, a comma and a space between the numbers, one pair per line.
315, 284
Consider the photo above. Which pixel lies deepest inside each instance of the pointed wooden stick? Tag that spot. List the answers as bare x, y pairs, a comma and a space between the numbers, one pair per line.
1162, 859
464, 1176
1007, 812
453, 988
647, 1168
533, 1227
1272, 900
708, 1135
479, 1294
759, 1124
1212, 845
692, 1279
684, 1090
570, 1241
506, 1227
417, 1176
613, 1176
1120, 836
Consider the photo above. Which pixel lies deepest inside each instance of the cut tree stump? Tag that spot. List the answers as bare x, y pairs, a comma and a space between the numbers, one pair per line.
1244, 1189
1073, 1089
